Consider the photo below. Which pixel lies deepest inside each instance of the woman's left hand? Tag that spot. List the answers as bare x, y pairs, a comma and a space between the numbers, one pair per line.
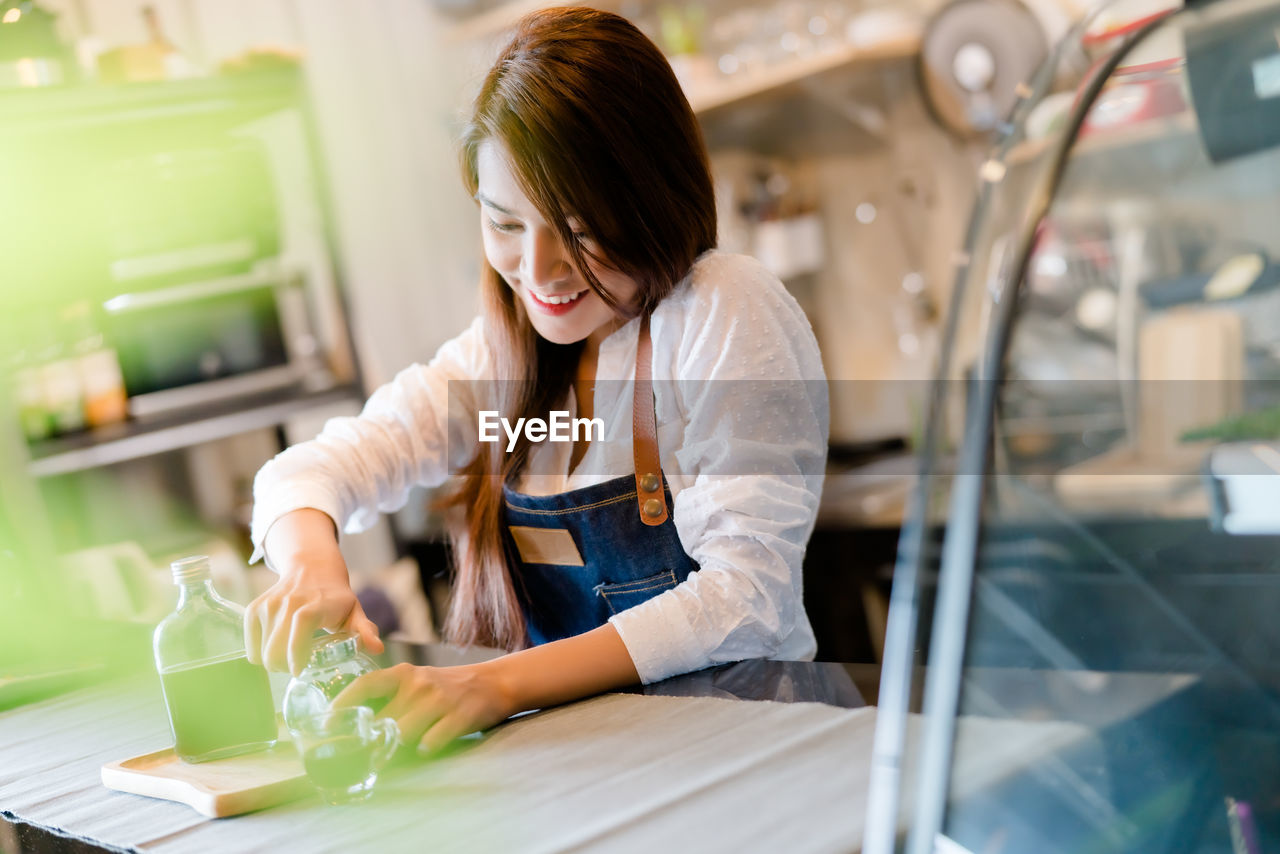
434, 705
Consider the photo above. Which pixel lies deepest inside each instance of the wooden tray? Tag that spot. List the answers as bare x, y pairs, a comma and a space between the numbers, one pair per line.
219, 788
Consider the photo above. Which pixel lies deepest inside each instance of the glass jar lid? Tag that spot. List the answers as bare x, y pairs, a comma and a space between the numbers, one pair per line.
330, 649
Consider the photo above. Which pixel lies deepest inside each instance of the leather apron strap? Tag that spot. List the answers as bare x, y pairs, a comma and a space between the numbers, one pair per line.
650, 494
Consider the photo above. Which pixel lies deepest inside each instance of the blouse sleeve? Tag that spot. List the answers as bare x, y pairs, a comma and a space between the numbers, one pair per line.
754, 454
412, 432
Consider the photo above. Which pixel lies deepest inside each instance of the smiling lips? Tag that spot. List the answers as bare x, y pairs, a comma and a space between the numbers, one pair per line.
556, 305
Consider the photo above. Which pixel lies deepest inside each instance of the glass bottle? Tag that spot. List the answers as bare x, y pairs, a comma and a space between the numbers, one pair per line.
219, 704
101, 380
334, 664
24, 376
60, 381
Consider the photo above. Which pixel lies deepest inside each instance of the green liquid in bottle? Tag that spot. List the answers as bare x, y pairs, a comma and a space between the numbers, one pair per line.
219, 707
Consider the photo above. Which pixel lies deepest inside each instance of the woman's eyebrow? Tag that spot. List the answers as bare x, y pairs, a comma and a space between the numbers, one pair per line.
490, 203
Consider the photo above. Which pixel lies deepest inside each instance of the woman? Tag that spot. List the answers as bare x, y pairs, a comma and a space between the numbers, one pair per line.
598, 226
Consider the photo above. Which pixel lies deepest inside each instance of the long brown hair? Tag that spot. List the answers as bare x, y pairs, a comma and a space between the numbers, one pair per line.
596, 127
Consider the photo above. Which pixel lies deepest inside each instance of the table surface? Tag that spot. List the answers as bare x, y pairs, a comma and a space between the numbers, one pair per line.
643, 765
682, 760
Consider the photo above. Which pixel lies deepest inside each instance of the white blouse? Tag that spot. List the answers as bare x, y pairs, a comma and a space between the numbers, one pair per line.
742, 409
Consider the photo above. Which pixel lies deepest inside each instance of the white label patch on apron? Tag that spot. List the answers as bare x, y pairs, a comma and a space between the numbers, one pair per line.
546, 545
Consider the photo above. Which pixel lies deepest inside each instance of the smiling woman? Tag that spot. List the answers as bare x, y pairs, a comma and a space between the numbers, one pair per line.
596, 565
530, 257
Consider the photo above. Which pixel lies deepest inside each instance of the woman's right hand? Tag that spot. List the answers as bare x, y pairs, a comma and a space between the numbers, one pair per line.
313, 592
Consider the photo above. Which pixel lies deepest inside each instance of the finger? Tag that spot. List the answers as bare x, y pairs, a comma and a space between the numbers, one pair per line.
404, 702
360, 623
273, 645
417, 721
253, 631
268, 614
301, 630
445, 731
378, 683
280, 628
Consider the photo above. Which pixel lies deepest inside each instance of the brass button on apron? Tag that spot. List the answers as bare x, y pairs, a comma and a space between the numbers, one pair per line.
650, 483
653, 508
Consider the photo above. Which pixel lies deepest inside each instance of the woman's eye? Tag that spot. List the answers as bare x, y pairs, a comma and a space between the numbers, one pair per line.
503, 227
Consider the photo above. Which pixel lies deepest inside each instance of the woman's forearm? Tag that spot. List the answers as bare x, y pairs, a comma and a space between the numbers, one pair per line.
566, 670
298, 534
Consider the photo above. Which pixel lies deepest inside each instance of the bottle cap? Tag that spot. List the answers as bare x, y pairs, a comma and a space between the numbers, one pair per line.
193, 568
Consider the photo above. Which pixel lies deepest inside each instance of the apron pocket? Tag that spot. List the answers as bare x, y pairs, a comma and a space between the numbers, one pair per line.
628, 594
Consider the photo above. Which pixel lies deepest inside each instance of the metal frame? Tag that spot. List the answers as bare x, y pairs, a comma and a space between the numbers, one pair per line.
963, 533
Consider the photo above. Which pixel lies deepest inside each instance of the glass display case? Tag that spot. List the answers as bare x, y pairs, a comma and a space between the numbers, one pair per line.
1083, 651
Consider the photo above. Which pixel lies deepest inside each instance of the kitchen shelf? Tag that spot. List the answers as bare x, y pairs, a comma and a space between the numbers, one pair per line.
1108, 165
240, 96
727, 90
1174, 128
136, 439
502, 18
711, 97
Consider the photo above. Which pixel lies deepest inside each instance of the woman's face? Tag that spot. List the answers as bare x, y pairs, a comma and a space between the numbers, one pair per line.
527, 253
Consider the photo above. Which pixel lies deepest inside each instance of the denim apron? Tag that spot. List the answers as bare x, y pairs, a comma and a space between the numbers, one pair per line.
581, 556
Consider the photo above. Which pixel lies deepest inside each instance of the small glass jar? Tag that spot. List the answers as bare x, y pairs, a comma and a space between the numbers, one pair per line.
334, 664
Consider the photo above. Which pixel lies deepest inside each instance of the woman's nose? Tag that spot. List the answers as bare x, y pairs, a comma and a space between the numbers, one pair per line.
545, 261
